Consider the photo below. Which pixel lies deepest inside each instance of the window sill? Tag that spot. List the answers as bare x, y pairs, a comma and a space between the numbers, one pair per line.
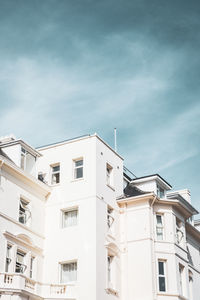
55, 184
111, 187
77, 179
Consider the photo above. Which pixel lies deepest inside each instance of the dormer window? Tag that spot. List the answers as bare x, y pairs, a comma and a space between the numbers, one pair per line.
160, 192
27, 160
23, 158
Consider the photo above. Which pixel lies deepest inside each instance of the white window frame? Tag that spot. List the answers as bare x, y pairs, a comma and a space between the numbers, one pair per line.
159, 226
69, 210
182, 279
190, 280
54, 173
109, 175
24, 211
110, 218
23, 158
76, 168
162, 275
179, 232
32, 261
8, 257
69, 263
160, 191
21, 265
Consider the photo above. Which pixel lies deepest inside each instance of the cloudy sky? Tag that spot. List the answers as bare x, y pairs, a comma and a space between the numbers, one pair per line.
73, 67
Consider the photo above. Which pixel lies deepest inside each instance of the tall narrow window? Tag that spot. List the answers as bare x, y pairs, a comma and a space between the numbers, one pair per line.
55, 174
20, 266
109, 175
8, 258
179, 232
31, 266
182, 283
68, 272
162, 275
160, 192
24, 211
159, 227
23, 158
69, 218
190, 275
78, 168
110, 258
110, 217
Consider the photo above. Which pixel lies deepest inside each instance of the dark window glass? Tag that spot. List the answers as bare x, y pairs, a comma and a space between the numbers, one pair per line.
162, 287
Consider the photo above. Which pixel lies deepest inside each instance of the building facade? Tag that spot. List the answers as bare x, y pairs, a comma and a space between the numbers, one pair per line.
75, 225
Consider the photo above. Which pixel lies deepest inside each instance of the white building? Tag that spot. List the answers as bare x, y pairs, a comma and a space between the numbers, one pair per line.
88, 230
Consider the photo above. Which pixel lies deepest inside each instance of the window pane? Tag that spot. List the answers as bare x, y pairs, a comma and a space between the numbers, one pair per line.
159, 219
78, 163
159, 233
69, 272
56, 168
161, 267
79, 172
162, 287
70, 218
55, 178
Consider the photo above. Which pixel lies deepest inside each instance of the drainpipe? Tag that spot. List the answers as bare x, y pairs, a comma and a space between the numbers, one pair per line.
153, 255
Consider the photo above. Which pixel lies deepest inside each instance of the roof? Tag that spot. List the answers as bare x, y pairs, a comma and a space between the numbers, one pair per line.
41, 148
131, 191
29, 148
152, 175
5, 155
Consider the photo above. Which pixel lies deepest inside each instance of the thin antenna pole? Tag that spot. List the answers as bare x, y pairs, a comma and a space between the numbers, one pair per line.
115, 138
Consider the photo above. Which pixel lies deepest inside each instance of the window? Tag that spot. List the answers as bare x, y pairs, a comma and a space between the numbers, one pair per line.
20, 266
110, 218
162, 275
110, 259
182, 282
68, 272
8, 258
109, 175
55, 174
23, 158
190, 275
159, 227
179, 232
78, 168
31, 266
24, 211
160, 192
69, 218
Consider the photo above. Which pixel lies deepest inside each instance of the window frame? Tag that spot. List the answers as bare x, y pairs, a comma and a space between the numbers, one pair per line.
109, 175
160, 226
75, 168
8, 257
162, 275
23, 265
179, 231
68, 210
53, 173
24, 207
160, 191
75, 262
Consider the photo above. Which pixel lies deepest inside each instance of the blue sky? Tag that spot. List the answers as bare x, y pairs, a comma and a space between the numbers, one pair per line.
72, 67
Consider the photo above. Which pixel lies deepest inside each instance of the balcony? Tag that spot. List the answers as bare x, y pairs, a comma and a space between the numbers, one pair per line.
20, 283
